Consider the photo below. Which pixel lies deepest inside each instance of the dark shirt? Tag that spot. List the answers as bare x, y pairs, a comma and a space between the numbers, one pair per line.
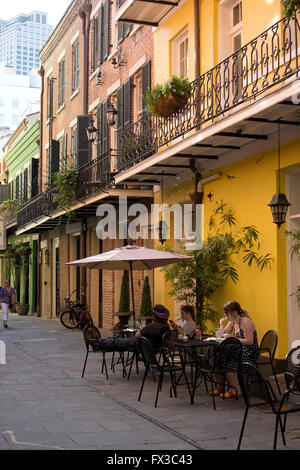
154, 332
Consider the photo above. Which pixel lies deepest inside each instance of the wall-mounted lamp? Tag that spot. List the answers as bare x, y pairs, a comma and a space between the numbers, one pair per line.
119, 60
46, 256
99, 76
91, 131
111, 113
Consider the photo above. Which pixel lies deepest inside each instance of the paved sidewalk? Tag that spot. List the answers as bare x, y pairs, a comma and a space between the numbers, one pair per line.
45, 404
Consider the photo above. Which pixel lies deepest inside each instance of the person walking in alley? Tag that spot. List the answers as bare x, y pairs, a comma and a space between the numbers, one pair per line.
7, 300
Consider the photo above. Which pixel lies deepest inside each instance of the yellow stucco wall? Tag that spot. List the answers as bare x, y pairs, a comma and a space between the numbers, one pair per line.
264, 294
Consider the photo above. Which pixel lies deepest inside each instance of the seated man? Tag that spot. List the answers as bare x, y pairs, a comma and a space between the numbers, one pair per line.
154, 331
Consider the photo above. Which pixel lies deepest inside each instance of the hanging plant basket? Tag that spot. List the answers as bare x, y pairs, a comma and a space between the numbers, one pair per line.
169, 97
10, 253
166, 106
23, 250
290, 8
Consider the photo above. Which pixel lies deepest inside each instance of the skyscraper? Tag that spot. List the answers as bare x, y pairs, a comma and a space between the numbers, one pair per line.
21, 39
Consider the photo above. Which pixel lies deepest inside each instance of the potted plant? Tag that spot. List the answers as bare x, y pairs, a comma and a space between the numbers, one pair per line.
10, 252
23, 250
196, 280
124, 304
290, 8
64, 187
146, 303
169, 97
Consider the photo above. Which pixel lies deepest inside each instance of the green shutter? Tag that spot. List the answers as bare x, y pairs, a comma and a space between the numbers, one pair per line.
104, 127
99, 127
106, 29
100, 35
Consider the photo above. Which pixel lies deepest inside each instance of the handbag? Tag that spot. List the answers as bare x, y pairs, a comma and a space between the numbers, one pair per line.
10, 305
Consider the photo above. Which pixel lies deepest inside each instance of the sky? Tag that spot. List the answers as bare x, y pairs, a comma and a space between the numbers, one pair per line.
54, 8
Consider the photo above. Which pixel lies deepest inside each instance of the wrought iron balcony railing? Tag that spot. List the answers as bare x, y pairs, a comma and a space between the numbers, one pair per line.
37, 207
261, 64
95, 176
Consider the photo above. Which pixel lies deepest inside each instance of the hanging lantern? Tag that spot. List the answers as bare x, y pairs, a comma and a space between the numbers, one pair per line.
279, 206
91, 131
163, 230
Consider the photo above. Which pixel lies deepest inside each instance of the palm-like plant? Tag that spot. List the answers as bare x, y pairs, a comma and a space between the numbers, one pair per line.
196, 280
295, 251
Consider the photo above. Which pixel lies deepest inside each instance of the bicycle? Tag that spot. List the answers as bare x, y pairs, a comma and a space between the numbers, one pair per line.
76, 315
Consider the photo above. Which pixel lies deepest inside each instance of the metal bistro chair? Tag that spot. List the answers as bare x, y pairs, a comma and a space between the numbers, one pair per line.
292, 370
91, 335
268, 346
258, 394
226, 353
167, 367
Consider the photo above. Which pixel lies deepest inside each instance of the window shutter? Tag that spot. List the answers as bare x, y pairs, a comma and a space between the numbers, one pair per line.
100, 35
104, 127
50, 98
82, 140
106, 29
54, 157
127, 29
25, 183
127, 104
99, 126
34, 176
146, 80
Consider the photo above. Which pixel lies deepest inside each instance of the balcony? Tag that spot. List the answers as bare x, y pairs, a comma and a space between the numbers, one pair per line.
147, 12
264, 65
95, 176
37, 208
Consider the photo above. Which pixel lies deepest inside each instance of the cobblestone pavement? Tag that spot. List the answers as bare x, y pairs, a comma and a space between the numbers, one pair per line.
45, 404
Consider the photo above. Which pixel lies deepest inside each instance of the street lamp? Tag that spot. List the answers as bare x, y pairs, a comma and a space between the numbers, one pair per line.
91, 131
111, 113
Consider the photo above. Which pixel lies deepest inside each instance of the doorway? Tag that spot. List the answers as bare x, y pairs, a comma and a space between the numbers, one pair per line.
293, 263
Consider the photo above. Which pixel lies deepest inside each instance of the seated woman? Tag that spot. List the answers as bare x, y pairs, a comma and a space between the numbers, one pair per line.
187, 322
154, 331
242, 327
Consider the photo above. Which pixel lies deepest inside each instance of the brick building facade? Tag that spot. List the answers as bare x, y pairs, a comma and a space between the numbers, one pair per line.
88, 60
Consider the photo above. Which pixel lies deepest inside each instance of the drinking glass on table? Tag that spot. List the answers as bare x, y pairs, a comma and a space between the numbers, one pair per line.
218, 334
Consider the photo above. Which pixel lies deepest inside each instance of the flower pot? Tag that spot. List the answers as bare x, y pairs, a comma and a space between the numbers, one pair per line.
166, 106
22, 309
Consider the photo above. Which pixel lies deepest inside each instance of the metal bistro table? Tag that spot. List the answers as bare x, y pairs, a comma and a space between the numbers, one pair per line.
128, 361
188, 349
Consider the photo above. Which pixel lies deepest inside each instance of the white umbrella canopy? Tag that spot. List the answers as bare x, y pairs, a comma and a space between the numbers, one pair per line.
132, 257
122, 258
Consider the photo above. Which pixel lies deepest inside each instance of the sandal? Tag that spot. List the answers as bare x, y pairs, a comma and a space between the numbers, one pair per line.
217, 392
230, 394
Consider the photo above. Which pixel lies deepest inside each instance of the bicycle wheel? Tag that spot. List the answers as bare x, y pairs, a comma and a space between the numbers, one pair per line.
69, 320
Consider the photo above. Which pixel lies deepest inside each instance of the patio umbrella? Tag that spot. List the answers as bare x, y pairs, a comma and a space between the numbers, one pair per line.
132, 257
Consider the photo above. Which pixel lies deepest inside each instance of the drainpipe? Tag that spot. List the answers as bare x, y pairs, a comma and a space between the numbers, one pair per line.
197, 53
41, 72
197, 36
85, 15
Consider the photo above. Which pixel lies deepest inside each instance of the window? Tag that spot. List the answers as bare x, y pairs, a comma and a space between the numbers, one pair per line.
236, 30
75, 84
50, 97
180, 55
61, 97
98, 35
138, 97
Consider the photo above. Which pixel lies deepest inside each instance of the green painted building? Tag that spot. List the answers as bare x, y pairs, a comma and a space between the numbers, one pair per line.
22, 163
